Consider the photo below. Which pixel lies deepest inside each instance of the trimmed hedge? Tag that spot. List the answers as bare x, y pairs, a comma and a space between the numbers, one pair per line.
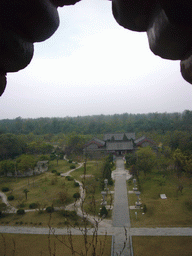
76, 195
76, 184
5, 189
11, 197
20, 211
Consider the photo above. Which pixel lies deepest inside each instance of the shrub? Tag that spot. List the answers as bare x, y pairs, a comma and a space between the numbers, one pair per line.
5, 189
72, 166
76, 184
110, 182
11, 197
20, 211
58, 173
144, 208
33, 206
76, 195
54, 171
50, 209
70, 161
103, 211
69, 178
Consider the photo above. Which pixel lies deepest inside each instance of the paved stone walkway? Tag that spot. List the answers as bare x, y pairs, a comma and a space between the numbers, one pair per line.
110, 231
121, 217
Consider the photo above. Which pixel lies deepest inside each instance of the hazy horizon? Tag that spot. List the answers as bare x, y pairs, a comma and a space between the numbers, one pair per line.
60, 117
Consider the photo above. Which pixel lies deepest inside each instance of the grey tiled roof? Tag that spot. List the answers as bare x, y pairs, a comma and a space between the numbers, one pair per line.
118, 136
99, 141
95, 140
125, 145
142, 139
139, 139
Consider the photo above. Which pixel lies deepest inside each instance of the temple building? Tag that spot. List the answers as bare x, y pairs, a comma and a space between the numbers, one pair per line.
116, 143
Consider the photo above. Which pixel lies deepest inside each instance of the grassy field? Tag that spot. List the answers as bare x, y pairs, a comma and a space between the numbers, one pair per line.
34, 219
166, 246
62, 167
43, 189
41, 245
175, 211
48, 189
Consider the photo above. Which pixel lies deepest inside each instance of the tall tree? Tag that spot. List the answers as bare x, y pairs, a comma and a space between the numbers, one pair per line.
26, 162
146, 159
7, 166
11, 146
179, 161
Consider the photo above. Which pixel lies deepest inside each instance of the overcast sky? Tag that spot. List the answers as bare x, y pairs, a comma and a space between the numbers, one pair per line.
92, 66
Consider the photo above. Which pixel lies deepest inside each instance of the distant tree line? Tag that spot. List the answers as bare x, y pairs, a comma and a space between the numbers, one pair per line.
100, 124
55, 137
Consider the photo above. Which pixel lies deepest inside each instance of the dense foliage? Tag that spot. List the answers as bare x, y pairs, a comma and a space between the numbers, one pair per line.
161, 122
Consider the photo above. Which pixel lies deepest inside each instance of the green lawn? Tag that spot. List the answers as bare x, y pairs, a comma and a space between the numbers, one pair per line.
62, 167
49, 189
173, 211
43, 189
162, 246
